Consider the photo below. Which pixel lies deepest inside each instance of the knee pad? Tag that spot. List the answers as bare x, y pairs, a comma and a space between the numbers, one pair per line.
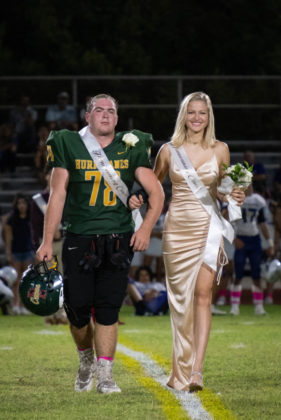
106, 316
79, 317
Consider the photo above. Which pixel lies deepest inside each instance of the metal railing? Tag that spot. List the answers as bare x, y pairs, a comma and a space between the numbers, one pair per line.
256, 95
179, 80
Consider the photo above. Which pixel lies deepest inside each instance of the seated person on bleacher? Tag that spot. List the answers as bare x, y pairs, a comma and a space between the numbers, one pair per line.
149, 298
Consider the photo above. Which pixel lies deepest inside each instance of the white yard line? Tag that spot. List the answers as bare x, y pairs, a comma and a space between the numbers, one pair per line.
49, 332
190, 403
237, 346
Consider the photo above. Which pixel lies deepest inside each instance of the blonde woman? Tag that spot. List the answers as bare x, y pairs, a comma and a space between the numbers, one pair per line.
192, 234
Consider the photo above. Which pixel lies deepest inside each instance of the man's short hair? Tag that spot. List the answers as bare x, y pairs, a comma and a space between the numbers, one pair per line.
91, 102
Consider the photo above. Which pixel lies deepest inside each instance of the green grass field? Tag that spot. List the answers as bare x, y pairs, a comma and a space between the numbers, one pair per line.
242, 377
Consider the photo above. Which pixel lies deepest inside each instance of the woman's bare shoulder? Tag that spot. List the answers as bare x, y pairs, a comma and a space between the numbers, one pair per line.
222, 152
221, 146
162, 162
164, 151
165, 148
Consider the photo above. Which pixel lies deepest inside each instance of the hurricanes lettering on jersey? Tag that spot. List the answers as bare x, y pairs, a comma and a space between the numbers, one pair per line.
89, 164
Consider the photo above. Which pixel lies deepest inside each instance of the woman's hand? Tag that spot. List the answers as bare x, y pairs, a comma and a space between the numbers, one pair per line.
238, 195
135, 202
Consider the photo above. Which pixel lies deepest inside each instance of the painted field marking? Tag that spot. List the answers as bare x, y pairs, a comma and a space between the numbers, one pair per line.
218, 331
189, 402
169, 404
49, 332
133, 331
237, 346
210, 401
6, 348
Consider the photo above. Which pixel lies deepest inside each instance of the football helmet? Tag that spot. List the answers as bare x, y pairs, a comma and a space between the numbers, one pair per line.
41, 289
273, 273
9, 274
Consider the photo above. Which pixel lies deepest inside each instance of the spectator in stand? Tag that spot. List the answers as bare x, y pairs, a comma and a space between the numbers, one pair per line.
61, 115
23, 119
8, 149
18, 245
149, 298
82, 113
40, 158
276, 192
4, 219
23, 114
248, 245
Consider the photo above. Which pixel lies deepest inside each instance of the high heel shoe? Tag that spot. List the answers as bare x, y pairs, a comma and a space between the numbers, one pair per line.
195, 386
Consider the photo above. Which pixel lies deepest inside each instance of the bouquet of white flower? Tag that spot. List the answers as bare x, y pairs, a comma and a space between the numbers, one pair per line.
236, 176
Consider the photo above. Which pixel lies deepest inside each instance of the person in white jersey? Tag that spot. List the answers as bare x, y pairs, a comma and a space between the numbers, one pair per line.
248, 246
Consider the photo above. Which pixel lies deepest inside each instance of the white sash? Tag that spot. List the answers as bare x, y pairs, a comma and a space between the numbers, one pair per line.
41, 203
218, 225
108, 172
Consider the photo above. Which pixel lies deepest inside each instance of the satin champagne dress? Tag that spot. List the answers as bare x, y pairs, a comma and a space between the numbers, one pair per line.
184, 238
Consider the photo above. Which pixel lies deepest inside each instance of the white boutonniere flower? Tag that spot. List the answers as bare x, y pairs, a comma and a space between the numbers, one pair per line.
130, 140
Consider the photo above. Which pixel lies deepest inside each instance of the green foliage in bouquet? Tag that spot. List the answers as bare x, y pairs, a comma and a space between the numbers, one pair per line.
239, 173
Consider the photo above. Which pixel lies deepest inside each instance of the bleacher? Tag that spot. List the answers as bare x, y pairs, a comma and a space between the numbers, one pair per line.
24, 179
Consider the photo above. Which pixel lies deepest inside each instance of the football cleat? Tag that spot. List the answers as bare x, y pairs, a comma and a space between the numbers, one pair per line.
105, 382
87, 369
259, 309
217, 311
234, 309
221, 301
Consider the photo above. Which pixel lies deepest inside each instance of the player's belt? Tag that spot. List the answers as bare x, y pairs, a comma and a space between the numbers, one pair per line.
108, 172
218, 225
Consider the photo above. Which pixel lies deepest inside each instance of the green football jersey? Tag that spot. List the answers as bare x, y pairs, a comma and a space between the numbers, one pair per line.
91, 207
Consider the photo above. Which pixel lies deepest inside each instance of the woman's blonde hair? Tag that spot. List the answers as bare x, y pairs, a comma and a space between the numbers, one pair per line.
180, 132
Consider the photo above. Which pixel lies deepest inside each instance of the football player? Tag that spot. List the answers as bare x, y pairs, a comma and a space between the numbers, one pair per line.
93, 171
248, 245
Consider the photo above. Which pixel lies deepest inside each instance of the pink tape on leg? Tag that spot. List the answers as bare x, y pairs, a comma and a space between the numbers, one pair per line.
258, 297
235, 294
